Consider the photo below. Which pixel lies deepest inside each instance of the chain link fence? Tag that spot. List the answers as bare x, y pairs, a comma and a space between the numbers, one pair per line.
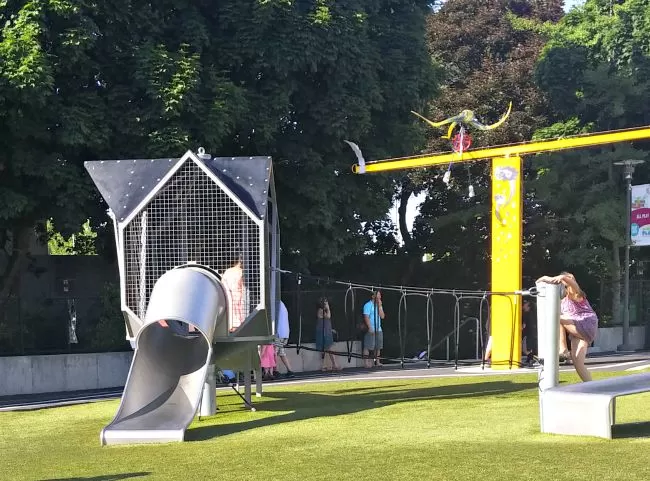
56, 325
639, 304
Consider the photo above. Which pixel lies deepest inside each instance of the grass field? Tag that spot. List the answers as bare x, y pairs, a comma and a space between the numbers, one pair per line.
440, 429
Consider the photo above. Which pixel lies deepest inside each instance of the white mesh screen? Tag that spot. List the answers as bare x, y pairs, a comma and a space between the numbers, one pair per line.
190, 219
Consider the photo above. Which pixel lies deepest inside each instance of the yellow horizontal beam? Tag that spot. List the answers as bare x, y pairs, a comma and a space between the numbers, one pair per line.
588, 140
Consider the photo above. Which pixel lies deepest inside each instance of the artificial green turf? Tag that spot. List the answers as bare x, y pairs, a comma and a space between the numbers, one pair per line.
465, 428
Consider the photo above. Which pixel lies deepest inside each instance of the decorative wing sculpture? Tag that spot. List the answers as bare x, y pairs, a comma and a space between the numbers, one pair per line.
465, 118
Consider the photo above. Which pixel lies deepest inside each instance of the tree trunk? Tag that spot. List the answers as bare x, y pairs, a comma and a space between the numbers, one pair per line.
616, 285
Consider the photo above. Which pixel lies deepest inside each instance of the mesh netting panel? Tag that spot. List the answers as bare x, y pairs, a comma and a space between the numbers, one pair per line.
190, 219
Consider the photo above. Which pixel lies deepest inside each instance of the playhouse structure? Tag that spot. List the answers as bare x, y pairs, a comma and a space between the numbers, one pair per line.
180, 223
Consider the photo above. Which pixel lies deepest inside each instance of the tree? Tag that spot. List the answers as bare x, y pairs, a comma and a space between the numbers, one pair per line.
354, 72
81, 243
595, 71
126, 79
487, 51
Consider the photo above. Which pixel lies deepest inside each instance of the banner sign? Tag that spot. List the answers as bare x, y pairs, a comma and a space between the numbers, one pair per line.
640, 215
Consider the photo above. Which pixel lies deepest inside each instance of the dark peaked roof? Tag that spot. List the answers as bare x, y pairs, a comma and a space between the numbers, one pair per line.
124, 184
247, 177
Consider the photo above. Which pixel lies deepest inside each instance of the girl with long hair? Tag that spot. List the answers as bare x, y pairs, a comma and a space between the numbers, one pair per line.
578, 319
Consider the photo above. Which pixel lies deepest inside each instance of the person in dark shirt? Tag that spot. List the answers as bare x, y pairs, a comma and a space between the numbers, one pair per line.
529, 330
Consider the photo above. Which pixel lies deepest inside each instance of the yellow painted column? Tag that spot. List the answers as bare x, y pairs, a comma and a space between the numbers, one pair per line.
505, 312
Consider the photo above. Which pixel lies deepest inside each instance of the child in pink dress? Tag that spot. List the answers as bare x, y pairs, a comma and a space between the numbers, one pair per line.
267, 360
578, 319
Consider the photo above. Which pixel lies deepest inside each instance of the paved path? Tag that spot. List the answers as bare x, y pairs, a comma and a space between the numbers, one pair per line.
632, 362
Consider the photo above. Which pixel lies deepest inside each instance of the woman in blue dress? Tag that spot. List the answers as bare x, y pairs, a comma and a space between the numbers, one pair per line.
324, 337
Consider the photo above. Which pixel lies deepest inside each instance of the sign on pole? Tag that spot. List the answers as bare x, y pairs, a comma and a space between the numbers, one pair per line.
640, 215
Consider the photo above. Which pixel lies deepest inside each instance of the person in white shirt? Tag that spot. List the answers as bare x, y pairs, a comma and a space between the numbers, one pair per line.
282, 337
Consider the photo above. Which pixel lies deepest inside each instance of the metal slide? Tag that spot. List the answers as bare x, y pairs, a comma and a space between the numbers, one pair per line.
169, 367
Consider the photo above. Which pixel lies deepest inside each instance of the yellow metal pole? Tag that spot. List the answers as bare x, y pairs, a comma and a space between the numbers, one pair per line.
588, 140
506, 240
507, 216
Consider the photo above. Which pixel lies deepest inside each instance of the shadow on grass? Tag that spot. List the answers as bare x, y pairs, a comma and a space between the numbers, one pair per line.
631, 430
105, 477
371, 388
314, 405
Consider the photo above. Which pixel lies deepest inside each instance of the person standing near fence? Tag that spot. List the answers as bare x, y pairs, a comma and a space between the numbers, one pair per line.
324, 335
373, 340
282, 338
487, 336
267, 361
529, 331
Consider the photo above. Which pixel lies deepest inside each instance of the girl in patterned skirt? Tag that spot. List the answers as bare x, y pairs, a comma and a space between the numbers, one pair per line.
578, 319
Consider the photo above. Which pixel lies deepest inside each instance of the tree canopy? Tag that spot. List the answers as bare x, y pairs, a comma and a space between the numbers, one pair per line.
126, 79
293, 79
488, 60
594, 70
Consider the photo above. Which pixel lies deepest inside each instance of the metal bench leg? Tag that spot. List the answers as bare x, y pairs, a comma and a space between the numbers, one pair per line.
609, 420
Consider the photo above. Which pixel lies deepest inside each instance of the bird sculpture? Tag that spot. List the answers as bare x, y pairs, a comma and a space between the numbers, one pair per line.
465, 118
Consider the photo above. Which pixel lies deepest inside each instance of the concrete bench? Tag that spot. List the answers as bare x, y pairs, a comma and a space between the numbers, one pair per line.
588, 409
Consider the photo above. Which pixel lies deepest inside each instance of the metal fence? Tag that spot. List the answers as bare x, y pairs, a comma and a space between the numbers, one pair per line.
639, 304
54, 325
61, 325
405, 333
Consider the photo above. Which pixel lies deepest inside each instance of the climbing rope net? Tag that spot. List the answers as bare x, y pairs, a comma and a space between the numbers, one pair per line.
430, 321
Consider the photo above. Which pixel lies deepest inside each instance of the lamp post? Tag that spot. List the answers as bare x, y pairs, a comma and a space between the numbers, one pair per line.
628, 171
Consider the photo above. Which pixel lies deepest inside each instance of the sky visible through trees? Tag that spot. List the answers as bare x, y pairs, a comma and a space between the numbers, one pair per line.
568, 4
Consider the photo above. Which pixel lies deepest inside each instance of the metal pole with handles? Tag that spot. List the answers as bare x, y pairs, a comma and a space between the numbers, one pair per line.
548, 333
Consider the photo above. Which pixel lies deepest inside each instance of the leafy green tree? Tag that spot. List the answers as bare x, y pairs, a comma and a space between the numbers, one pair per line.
595, 71
487, 51
126, 79
354, 72
108, 333
81, 243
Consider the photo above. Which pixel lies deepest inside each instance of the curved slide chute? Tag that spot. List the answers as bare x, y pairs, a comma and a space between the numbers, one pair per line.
164, 386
